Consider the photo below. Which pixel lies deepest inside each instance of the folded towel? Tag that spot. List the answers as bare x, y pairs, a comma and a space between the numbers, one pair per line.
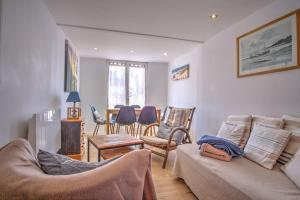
222, 144
210, 151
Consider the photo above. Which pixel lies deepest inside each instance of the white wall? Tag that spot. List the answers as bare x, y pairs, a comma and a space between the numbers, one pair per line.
184, 93
221, 93
94, 80
32, 65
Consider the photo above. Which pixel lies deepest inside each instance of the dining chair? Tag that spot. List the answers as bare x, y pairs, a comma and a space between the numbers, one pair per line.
126, 117
97, 119
113, 119
148, 116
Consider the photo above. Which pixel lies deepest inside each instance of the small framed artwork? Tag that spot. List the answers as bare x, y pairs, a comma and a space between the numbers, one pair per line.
181, 73
71, 68
270, 48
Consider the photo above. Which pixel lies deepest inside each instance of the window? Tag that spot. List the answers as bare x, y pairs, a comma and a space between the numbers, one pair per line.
126, 83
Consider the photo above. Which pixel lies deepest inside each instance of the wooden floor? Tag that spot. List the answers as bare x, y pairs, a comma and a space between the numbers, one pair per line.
166, 186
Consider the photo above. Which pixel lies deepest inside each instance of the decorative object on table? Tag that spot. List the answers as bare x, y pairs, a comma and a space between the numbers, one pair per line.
72, 138
181, 73
73, 112
270, 48
71, 68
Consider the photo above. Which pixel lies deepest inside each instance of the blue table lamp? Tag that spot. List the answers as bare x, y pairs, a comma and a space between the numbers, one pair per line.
73, 112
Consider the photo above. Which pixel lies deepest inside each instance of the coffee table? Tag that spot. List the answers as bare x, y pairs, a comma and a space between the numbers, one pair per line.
113, 141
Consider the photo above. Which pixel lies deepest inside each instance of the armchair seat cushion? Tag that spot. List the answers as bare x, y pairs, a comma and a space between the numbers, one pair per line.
156, 141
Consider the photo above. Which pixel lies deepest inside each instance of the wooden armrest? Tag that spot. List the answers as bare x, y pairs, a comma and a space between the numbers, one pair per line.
149, 126
179, 129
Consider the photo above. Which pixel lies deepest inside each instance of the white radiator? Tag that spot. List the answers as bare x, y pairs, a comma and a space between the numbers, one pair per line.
44, 131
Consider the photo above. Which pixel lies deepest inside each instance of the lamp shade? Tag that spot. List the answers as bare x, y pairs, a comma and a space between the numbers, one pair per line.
73, 97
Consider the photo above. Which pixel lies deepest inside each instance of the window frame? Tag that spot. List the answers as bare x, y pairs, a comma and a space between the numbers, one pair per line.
127, 65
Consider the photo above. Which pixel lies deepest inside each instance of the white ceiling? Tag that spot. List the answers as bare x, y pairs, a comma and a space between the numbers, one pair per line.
185, 19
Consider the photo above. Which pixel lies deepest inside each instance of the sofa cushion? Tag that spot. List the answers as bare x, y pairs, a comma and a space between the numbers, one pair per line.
266, 144
156, 141
244, 120
232, 132
56, 164
291, 169
291, 123
164, 132
240, 179
268, 121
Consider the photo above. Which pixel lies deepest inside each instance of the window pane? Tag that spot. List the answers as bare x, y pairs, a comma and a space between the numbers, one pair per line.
137, 86
116, 86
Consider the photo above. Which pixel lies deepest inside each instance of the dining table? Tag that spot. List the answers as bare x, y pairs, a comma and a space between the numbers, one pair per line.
115, 111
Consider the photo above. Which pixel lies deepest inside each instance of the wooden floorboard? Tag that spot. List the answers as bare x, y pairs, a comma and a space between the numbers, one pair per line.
167, 187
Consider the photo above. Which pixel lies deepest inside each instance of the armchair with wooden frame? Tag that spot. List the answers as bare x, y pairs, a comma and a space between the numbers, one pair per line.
168, 144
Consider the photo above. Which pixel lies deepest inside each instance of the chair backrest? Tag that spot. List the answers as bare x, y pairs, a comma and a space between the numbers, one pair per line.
136, 106
118, 106
148, 115
187, 125
95, 114
126, 116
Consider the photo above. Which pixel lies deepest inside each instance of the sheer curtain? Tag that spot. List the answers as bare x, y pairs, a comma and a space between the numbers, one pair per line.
116, 85
126, 83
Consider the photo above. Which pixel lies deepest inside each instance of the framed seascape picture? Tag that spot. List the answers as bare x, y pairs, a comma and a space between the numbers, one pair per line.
270, 48
71, 68
181, 73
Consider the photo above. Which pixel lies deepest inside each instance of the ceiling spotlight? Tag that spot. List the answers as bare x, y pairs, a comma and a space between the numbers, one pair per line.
165, 54
213, 16
131, 51
95, 48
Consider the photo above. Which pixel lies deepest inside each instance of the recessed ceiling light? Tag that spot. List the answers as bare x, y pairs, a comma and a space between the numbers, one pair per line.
131, 51
95, 48
213, 16
165, 54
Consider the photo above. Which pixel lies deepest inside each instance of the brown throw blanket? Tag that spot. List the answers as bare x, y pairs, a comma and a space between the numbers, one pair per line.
128, 177
210, 151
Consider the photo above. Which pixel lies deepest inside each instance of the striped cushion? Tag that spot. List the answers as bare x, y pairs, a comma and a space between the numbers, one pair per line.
178, 117
232, 132
290, 124
266, 144
244, 120
268, 121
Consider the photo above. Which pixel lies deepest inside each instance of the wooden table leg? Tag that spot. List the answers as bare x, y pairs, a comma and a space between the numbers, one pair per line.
88, 151
107, 122
99, 155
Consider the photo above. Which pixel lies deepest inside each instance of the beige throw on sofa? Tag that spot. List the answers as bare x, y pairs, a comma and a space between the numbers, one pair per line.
128, 177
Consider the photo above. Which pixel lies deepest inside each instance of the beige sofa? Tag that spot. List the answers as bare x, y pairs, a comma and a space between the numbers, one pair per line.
124, 178
240, 179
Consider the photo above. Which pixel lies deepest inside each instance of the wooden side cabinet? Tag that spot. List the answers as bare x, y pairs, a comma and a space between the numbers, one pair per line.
72, 141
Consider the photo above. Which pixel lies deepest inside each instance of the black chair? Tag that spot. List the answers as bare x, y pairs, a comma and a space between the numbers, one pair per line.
148, 116
126, 117
97, 119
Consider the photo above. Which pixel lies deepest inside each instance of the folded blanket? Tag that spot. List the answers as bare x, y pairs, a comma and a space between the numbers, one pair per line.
210, 151
222, 144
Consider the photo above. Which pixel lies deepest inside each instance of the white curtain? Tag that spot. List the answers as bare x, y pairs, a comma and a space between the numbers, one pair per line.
116, 85
126, 83
137, 86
